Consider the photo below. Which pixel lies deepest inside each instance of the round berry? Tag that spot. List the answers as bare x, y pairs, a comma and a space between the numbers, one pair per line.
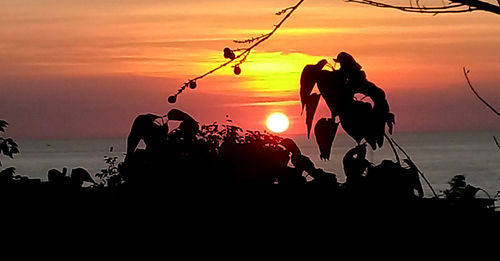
237, 70
172, 99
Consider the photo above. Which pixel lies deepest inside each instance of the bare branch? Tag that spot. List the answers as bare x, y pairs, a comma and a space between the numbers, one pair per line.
480, 5
466, 74
496, 141
414, 165
455, 6
240, 58
250, 40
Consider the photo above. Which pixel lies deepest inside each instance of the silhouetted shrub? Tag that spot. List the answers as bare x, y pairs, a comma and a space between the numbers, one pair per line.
110, 176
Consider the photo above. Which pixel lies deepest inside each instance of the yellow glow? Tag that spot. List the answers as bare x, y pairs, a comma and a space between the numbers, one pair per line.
267, 73
277, 122
296, 31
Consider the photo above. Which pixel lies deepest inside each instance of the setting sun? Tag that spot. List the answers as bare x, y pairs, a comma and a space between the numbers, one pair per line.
277, 122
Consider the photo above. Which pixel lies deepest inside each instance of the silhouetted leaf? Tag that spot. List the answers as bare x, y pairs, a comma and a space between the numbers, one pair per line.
7, 173
311, 105
4, 148
3, 125
325, 131
81, 174
177, 115
14, 150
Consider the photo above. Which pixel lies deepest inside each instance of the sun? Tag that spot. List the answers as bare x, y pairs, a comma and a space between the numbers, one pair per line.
277, 122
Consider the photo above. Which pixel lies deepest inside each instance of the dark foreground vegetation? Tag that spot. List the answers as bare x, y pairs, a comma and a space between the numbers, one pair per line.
221, 172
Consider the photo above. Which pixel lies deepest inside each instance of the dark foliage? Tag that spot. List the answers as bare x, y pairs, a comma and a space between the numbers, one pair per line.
361, 120
213, 155
459, 189
8, 146
110, 175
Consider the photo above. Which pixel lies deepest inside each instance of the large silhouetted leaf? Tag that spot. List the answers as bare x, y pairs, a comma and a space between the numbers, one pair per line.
325, 130
177, 115
308, 79
291, 146
311, 106
81, 174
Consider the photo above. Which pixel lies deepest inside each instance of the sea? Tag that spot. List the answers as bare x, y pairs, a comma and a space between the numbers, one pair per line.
438, 155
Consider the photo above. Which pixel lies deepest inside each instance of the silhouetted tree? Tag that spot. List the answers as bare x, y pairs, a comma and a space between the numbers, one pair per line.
437, 7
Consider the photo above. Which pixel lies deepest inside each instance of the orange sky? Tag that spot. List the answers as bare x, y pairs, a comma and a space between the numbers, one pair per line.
87, 68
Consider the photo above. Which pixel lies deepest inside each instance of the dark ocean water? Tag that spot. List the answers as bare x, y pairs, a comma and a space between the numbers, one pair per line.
439, 156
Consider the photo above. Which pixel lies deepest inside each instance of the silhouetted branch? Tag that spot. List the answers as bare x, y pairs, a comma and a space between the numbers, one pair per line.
454, 6
241, 57
496, 141
250, 40
466, 74
284, 10
415, 166
393, 149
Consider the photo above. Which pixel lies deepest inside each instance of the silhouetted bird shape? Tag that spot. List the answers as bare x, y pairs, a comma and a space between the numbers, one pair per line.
359, 119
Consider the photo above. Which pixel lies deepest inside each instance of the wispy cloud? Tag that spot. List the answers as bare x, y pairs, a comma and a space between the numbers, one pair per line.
264, 103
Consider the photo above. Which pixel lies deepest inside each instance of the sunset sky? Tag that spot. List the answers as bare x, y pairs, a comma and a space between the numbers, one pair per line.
87, 68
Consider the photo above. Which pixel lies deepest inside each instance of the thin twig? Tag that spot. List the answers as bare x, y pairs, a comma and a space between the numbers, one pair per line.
466, 74
250, 40
496, 141
419, 172
393, 149
243, 55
